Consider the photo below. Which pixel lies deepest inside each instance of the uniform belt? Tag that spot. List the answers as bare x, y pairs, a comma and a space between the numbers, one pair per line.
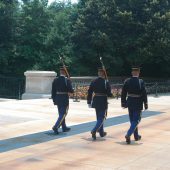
61, 92
100, 94
134, 95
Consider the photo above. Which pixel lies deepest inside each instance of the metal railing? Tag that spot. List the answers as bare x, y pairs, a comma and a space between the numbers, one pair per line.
14, 87
11, 87
158, 88
155, 88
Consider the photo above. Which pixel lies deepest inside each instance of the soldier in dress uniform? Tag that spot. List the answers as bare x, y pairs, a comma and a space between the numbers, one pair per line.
133, 97
61, 87
98, 92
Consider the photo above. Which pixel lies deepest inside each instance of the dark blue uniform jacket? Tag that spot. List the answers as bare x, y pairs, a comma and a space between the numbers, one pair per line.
98, 86
61, 84
134, 86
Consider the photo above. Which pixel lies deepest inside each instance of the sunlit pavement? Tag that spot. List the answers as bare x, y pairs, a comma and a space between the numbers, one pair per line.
28, 143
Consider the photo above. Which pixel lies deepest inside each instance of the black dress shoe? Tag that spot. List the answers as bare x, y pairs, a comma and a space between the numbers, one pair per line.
55, 130
138, 138
128, 141
66, 129
93, 135
103, 134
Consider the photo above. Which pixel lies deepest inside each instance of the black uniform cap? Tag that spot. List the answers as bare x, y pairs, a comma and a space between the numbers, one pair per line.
62, 69
100, 69
136, 68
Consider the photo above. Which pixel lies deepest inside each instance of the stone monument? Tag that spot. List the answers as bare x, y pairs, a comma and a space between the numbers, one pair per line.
38, 84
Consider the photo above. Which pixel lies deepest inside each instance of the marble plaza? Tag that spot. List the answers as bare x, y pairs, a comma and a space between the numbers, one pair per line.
28, 143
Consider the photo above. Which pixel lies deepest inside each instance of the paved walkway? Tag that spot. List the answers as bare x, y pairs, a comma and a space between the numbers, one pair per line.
27, 142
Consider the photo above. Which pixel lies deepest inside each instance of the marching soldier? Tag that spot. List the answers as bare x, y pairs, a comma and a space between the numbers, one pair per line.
101, 89
61, 87
133, 97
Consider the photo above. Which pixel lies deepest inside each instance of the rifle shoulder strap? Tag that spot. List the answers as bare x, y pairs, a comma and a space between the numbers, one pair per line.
140, 84
66, 81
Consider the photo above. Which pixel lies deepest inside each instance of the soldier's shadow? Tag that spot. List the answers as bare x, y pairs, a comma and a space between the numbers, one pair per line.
133, 143
51, 133
98, 139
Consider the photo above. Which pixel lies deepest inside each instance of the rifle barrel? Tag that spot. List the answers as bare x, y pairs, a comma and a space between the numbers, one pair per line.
101, 60
64, 66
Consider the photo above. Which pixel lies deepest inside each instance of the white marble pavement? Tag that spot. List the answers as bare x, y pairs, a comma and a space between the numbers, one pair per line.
26, 141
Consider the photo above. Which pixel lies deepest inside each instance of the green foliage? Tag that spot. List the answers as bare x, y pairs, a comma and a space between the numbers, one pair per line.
57, 42
34, 34
34, 27
125, 33
8, 13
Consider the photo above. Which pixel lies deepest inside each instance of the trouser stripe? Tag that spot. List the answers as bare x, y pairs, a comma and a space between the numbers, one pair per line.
102, 121
63, 117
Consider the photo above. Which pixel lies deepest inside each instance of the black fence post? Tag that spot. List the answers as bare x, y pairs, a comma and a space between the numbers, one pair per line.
19, 92
156, 89
11, 87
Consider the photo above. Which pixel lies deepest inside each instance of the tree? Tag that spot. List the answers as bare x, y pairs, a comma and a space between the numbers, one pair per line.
34, 26
157, 60
8, 24
92, 35
57, 42
125, 33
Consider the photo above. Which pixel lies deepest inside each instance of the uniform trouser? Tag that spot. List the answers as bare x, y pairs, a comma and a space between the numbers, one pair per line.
100, 115
62, 110
135, 118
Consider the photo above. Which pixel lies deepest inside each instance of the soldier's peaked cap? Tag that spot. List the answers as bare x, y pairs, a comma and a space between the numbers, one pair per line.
136, 68
62, 69
100, 69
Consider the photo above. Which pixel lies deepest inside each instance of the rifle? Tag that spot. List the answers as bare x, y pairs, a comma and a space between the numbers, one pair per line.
65, 68
106, 78
68, 76
103, 67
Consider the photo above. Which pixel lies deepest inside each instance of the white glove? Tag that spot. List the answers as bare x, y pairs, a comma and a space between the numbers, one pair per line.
89, 105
